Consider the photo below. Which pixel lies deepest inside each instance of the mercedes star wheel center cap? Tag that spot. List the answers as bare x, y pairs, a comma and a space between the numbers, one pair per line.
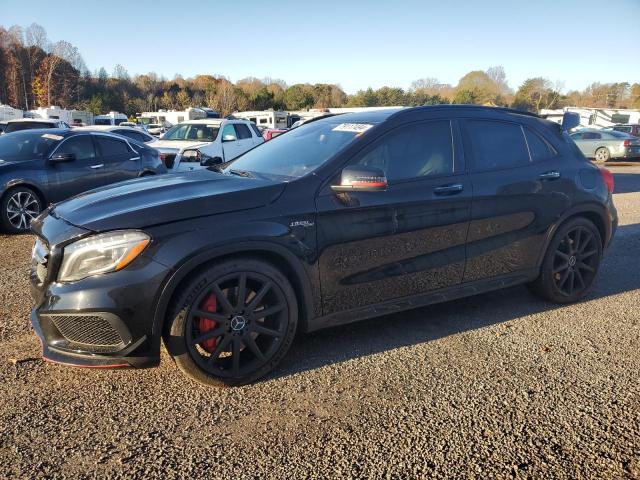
238, 323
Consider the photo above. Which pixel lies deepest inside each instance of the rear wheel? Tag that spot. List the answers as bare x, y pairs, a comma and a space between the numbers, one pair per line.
603, 154
571, 262
233, 323
19, 207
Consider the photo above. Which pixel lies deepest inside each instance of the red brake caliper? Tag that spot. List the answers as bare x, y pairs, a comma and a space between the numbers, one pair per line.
210, 304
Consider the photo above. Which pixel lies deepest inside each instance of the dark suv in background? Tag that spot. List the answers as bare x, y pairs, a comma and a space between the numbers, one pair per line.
341, 219
42, 166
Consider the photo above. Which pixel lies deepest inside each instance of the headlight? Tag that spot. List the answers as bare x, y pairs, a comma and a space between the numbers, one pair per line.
192, 155
106, 252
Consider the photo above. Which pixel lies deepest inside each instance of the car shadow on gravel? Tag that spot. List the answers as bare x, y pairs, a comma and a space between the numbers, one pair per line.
426, 324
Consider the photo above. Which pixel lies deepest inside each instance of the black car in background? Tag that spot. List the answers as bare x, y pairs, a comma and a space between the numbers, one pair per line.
38, 167
341, 219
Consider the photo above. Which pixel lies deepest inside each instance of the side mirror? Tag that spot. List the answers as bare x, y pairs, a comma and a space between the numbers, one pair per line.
361, 178
211, 161
570, 120
62, 158
229, 138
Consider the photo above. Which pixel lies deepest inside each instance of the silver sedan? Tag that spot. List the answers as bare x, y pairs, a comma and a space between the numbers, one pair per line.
604, 145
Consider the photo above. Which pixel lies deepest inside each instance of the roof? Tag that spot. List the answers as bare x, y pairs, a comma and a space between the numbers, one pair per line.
107, 128
205, 121
39, 120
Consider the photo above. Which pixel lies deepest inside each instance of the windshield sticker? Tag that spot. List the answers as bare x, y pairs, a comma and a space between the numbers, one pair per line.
352, 127
51, 136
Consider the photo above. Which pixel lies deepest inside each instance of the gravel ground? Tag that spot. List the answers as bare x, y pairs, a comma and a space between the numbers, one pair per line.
496, 386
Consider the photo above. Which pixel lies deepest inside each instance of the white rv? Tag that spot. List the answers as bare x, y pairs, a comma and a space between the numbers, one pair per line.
71, 117
595, 117
111, 118
9, 113
266, 118
169, 118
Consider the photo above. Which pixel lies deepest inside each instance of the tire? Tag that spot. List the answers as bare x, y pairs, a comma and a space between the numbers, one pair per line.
18, 207
571, 262
216, 339
603, 154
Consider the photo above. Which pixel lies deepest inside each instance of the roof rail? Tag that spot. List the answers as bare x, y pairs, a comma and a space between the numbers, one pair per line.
482, 107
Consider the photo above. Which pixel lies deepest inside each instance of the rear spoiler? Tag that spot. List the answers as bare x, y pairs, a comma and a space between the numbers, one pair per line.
570, 120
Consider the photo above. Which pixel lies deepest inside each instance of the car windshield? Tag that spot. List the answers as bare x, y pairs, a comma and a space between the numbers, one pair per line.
27, 145
300, 151
193, 131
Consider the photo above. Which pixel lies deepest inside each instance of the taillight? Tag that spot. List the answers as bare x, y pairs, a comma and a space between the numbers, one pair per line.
163, 158
607, 176
627, 143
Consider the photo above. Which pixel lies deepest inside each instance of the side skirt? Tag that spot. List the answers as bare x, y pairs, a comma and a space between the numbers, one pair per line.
437, 296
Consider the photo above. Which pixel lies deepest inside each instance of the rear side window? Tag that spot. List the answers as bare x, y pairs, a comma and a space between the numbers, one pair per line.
539, 148
496, 145
80, 146
591, 136
129, 134
111, 146
255, 129
242, 131
415, 151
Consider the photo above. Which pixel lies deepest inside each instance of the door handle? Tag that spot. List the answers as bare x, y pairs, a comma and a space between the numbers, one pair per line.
549, 175
95, 167
448, 189
134, 159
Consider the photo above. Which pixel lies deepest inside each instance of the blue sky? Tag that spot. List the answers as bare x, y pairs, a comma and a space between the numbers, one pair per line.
354, 43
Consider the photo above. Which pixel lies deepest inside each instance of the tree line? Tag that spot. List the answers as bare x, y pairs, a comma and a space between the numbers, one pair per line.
36, 72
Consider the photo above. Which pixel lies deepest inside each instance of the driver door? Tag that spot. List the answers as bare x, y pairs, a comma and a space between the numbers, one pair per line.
231, 144
79, 175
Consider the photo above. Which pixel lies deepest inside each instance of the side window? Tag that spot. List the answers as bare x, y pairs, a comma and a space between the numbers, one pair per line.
81, 146
591, 136
243, 131
414, 151
576, 136
111, 146
496, 145
255, 130
228, 131
539, 148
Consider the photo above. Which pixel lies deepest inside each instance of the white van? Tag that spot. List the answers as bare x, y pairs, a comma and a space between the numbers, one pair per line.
111, 118
199, 143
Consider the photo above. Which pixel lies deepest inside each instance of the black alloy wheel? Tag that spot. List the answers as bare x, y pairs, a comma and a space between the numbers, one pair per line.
571, 262
238, 325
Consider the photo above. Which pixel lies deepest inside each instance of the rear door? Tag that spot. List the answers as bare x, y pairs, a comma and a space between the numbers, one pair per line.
120, 162
407, 240
245, 138
520, 188
71, 178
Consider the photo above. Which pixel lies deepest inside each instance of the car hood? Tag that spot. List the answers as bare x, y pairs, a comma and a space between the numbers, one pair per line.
165, 198
177, 145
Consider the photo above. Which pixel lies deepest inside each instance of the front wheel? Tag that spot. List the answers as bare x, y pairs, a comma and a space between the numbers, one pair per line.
571, 262
232, 323
18, 208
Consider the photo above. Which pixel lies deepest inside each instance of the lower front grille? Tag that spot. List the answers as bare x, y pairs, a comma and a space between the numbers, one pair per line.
87, 330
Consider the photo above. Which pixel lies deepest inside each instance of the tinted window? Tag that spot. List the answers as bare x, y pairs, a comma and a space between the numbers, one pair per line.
591, 136
623, 129
102, 121
81, 146
26, 145
496, 145
539, 148
242, 130
130, 134
255, 129
111, 146
17, 126
418, 150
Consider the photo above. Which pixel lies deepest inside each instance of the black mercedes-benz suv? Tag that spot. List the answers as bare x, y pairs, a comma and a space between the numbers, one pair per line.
344, 218
39, 166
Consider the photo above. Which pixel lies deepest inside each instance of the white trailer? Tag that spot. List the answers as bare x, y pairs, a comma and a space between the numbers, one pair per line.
265, 118
169, 118
71, 117
595, 117
111, 118
9, 113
